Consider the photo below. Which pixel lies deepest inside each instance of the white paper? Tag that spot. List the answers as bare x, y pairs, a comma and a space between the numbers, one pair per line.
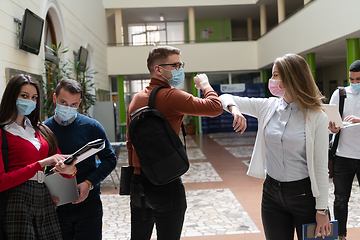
89, 153
332, 112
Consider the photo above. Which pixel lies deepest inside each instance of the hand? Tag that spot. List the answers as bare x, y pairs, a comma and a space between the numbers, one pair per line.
55, 200
239, 122
333, 128
60, 167
322, 225
84, 190
201, 81
52, 160
352, 119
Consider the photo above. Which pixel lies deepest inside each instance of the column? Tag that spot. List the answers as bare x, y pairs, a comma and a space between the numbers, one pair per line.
310, 59
281, 10
121, 94
265, 75
192, 36
194, 92
352, 52
249, 29
118, 27
263, 23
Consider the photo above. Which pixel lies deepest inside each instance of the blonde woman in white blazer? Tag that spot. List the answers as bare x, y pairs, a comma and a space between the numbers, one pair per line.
290, 151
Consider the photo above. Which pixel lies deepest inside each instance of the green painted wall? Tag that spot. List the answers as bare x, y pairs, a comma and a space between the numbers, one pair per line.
221, 30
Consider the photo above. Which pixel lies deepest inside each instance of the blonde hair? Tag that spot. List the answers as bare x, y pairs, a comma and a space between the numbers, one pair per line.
299, 82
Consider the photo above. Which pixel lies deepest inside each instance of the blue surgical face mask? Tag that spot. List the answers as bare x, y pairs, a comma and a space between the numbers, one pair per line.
65, 113
355, 86
24, 106
178, 77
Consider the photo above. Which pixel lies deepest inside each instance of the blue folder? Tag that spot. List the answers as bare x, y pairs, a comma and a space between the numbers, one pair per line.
308, 231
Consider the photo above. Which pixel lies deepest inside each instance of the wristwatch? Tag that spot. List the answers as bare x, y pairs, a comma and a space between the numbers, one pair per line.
91, 186
324, 212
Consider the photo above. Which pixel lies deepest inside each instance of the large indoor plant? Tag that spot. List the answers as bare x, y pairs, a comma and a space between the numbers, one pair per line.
57, 70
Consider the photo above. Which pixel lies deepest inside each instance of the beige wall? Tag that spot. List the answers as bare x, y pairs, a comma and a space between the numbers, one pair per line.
83, 23
166, 3
320, 22
200, 57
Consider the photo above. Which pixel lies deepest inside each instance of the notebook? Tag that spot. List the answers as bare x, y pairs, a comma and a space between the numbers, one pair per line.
309, 231
64, 189
332, 112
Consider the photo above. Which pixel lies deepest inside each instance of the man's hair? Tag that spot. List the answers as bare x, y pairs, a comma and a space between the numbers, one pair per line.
355, 66
299, 82
158, 55
69, 85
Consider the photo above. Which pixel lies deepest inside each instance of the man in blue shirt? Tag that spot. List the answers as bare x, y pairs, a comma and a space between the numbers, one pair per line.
81, 219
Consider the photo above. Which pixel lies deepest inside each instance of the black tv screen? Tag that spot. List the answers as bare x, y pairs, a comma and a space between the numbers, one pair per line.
31, 32
82, 58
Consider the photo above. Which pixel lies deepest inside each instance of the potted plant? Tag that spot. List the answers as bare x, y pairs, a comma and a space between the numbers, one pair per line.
189, 124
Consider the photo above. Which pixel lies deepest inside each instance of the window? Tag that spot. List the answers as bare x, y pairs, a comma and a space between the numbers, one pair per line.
156, 33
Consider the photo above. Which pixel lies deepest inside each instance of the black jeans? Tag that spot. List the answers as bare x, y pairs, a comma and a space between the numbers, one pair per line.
285, 206
81, 221
163, 205
344, 172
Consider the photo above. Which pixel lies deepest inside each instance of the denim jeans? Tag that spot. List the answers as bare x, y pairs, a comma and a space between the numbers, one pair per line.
344, 172
163, 205
286, 206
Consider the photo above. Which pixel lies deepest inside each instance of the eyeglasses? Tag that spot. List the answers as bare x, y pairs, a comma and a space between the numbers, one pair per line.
176, 65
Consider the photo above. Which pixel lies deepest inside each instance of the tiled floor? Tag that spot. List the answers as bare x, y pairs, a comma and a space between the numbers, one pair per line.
223, 202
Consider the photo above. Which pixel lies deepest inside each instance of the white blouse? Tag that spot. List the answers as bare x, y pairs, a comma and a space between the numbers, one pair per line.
28, 133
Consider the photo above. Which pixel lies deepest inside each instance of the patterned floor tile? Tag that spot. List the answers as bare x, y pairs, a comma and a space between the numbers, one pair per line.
244, 151
210, 212
201, 172
235, 141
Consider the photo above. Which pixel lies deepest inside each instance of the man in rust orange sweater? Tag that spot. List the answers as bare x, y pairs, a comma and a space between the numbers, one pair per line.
165, 205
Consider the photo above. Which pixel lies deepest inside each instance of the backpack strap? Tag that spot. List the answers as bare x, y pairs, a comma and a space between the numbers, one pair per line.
151, 105
342, 93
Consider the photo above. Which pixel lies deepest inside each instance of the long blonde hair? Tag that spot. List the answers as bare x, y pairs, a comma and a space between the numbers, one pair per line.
299, 82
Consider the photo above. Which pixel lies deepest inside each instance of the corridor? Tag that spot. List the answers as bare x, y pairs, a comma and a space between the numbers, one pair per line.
223, 202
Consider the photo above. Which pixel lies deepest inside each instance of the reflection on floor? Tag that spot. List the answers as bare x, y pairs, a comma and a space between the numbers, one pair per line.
223, 203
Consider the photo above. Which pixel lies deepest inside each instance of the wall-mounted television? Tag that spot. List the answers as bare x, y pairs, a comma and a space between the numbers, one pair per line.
31, 32
82, 58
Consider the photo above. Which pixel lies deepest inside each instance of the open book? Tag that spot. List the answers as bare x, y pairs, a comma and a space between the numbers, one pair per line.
84, 152
333, 115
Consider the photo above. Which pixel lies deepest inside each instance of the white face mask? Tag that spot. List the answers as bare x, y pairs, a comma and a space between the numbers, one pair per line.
178, 77
65, 113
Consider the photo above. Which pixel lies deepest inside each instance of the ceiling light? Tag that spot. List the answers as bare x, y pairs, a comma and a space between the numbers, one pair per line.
161, 17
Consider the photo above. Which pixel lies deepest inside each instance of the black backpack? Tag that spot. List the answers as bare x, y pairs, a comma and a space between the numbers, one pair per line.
161, 154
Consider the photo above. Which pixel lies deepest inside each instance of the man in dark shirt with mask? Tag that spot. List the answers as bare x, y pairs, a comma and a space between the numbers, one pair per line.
165, 205
81, 219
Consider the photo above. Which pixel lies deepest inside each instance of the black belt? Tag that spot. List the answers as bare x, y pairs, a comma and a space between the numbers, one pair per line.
288, 184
